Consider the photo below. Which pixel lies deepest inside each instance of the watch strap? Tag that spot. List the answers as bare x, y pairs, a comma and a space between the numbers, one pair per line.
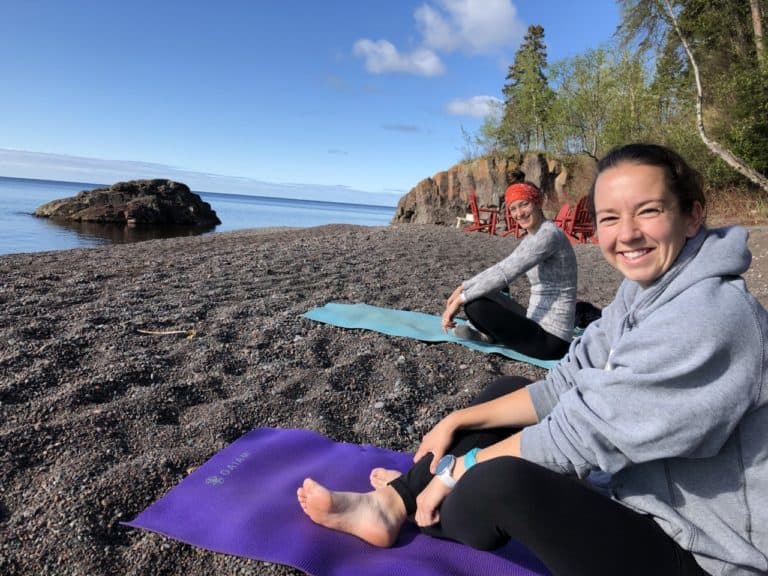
445, 466
446, 478
470, 458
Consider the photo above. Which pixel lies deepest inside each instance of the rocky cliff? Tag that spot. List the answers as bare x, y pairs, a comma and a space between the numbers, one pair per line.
137, 202
444, 196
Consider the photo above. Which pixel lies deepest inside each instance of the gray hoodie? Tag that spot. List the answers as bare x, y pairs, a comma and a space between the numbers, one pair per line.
668, 393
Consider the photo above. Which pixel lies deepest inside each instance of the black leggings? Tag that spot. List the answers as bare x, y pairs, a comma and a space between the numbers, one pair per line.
572, 528
505, 320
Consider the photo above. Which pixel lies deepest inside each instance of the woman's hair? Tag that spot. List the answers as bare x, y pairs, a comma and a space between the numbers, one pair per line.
685, 183
516, 175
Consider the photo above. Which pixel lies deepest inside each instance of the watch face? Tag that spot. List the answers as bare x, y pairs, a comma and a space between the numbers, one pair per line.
445, 464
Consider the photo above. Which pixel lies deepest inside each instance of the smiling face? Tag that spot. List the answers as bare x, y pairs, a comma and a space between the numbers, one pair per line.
526, 214
639, 224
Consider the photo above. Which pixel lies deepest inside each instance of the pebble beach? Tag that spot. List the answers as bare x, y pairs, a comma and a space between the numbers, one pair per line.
123, 368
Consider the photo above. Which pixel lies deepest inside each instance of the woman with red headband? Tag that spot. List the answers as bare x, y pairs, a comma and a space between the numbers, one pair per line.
545, 255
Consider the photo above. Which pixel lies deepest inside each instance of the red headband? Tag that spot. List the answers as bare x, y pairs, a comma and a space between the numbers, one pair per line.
523, 191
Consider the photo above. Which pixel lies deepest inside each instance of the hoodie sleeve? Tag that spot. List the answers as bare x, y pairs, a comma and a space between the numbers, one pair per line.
680, 382
531, 251
591, 350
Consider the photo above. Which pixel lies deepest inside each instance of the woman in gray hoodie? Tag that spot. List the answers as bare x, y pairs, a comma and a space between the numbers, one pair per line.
645, 450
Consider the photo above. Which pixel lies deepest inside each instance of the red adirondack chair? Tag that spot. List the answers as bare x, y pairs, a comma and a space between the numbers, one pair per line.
564, 218
484, 218
582, 229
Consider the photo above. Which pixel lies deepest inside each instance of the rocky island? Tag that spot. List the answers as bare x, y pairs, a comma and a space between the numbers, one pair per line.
136, 202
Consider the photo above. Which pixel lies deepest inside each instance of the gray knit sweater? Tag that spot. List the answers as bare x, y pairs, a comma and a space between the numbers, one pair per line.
547, 258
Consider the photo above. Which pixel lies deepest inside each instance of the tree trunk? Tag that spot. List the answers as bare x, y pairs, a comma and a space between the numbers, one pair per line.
716, 148
757, 25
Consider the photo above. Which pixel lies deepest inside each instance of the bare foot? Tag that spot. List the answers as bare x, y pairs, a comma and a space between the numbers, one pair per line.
380, 477
375, 517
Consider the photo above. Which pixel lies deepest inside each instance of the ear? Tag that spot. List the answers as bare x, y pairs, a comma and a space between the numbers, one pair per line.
695, 220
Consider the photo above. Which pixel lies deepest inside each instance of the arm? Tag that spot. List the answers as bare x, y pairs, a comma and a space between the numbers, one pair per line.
591, 350
511, 410
531, 251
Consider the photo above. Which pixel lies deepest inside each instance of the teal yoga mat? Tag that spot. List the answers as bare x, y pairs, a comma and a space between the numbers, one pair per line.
417, 325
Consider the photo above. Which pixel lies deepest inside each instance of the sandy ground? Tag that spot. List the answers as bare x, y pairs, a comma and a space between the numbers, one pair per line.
98, 420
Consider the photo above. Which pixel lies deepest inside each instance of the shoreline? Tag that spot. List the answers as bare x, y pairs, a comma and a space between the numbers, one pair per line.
99, 419
22, 232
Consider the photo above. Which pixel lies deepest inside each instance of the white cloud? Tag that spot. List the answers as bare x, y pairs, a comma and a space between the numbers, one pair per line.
437, 32
468, 24
476, 106
446, 26
382, 56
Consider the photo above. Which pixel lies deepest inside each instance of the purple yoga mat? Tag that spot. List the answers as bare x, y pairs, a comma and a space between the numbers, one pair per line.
243, 502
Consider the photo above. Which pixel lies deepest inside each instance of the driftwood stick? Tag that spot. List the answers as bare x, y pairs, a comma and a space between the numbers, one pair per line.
189, 333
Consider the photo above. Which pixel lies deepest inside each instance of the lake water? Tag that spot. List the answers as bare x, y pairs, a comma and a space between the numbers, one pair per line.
20, 231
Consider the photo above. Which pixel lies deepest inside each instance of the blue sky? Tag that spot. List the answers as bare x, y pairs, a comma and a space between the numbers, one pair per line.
346, 100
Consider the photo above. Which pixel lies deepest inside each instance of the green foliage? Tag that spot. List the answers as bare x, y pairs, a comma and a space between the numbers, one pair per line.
601, 100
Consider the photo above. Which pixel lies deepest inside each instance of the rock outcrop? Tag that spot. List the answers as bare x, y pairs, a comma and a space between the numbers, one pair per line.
137, 202
440, 199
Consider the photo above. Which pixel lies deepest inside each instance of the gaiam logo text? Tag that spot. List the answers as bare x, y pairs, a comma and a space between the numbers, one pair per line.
220, 478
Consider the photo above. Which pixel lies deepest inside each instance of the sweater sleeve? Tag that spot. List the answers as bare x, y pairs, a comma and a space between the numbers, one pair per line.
590, 350
531, 251
679, 384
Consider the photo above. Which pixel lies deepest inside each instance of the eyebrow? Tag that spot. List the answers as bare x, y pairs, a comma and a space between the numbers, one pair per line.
636, 207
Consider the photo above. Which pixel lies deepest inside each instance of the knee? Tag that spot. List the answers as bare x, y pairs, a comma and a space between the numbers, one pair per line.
501, 386
473, 308
517, 474
481, 307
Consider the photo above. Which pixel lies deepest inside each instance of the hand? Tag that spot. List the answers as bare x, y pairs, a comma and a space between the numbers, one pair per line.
436, 441
428, 503
451, 309
447, 320
452, 306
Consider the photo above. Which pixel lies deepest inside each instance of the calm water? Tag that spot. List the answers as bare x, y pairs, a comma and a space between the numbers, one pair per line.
22, 232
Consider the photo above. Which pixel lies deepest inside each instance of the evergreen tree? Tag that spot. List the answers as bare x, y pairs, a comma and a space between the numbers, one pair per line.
527, 96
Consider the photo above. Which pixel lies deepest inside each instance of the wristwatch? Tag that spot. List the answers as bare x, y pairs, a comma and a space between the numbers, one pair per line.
444, 468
